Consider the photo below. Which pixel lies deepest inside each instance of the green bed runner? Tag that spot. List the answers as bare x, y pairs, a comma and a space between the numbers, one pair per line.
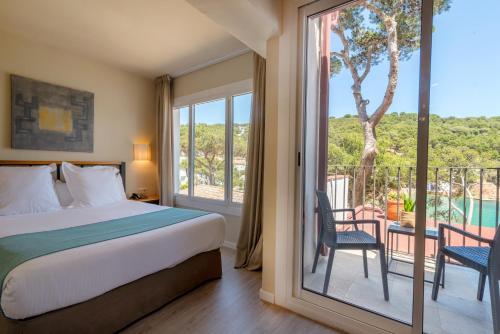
16, 249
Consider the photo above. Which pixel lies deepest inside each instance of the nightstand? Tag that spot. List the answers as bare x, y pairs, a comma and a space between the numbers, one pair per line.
149, 199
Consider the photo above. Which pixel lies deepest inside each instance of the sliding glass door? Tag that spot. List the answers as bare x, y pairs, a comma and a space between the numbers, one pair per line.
464, 155
374, 186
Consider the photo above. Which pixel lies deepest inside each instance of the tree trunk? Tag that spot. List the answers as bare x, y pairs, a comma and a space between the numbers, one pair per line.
369, 123
367, 162
211, 175
365, 170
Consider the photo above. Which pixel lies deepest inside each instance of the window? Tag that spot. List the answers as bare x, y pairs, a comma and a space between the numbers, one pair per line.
242, 105
210, 147
182, 149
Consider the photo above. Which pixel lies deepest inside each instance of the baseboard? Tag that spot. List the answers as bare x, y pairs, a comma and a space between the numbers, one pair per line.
333, 319
266, 296
229, 244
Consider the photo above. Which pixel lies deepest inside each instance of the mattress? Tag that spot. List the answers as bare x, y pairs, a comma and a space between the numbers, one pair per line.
72, 276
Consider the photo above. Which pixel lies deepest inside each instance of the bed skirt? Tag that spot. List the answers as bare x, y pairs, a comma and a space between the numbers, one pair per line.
124, 305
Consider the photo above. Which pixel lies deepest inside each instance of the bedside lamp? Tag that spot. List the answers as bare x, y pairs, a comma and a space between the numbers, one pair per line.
142, 152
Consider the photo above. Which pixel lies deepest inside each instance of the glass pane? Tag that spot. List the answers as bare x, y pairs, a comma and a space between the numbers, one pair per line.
209, 149
242, 107
464, 161
362, 76
181, 131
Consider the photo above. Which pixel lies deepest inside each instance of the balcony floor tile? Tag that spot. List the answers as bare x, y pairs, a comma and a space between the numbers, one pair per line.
456, 311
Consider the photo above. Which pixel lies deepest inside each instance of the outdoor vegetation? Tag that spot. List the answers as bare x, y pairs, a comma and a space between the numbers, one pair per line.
453, 142
461, 150
375, 147
368, 33
209, 153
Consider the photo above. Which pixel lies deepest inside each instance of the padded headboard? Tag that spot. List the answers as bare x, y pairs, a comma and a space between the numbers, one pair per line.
118, 164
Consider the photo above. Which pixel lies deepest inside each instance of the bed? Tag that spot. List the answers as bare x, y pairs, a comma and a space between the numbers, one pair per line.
104, 286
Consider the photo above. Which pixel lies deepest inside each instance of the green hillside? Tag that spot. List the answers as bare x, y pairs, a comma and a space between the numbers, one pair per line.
453, 142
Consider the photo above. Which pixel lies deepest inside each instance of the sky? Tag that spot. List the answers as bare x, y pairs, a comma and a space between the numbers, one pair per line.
465, 69
464, 80
213, 112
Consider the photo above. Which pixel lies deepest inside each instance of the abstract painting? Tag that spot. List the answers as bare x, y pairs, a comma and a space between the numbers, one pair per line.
50, 117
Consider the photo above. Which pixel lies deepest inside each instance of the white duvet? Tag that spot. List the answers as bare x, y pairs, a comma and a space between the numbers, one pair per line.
72, 276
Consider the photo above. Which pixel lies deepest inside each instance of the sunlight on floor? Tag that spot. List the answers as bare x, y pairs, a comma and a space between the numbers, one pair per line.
456, 310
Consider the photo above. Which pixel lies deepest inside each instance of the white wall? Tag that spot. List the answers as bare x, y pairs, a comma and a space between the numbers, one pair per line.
123, 105
224, 73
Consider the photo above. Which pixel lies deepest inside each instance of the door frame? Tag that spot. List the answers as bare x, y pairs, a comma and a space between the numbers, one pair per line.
354, 318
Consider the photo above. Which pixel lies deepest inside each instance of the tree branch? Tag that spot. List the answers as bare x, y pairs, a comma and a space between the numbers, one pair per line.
368, 65
356, 87
377, 11
337, 54
393, 50
344, 54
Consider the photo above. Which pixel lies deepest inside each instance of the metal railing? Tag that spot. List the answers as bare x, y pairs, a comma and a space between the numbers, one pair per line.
461, 196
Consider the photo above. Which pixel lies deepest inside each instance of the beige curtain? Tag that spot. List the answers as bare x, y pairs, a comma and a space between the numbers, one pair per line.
249, 247
164, 140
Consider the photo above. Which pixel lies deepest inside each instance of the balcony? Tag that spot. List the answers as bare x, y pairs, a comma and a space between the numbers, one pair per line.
467, 198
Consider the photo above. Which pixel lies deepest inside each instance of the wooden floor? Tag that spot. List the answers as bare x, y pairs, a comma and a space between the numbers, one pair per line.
228, 305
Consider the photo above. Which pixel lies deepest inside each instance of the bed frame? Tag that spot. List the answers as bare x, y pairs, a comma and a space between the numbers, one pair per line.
120, 307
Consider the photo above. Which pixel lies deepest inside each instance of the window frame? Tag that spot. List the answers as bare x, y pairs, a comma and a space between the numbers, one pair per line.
231, 166
226, 92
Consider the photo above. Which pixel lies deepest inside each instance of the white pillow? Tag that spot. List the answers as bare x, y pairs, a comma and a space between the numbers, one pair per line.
63, 194
25, 190
93, 186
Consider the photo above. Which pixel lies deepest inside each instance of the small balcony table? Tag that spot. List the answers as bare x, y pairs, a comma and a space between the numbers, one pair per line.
396, 228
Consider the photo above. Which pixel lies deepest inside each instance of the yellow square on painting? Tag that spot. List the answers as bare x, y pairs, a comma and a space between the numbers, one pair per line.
55, 119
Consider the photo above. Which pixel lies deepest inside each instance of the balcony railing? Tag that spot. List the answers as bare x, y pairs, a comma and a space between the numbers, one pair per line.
464, 197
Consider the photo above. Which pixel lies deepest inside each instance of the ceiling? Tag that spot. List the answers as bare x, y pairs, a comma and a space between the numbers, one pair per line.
149, 37
251, 21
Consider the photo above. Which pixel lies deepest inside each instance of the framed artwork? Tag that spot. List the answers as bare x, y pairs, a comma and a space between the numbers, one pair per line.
50, 117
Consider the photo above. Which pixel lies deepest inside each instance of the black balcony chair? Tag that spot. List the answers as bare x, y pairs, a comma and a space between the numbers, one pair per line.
486, 260
354, 240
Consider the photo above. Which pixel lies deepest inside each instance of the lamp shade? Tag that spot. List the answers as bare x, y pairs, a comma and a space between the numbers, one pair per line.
142, 152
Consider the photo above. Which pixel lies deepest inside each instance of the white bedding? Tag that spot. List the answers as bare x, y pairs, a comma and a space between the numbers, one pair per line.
72, 276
